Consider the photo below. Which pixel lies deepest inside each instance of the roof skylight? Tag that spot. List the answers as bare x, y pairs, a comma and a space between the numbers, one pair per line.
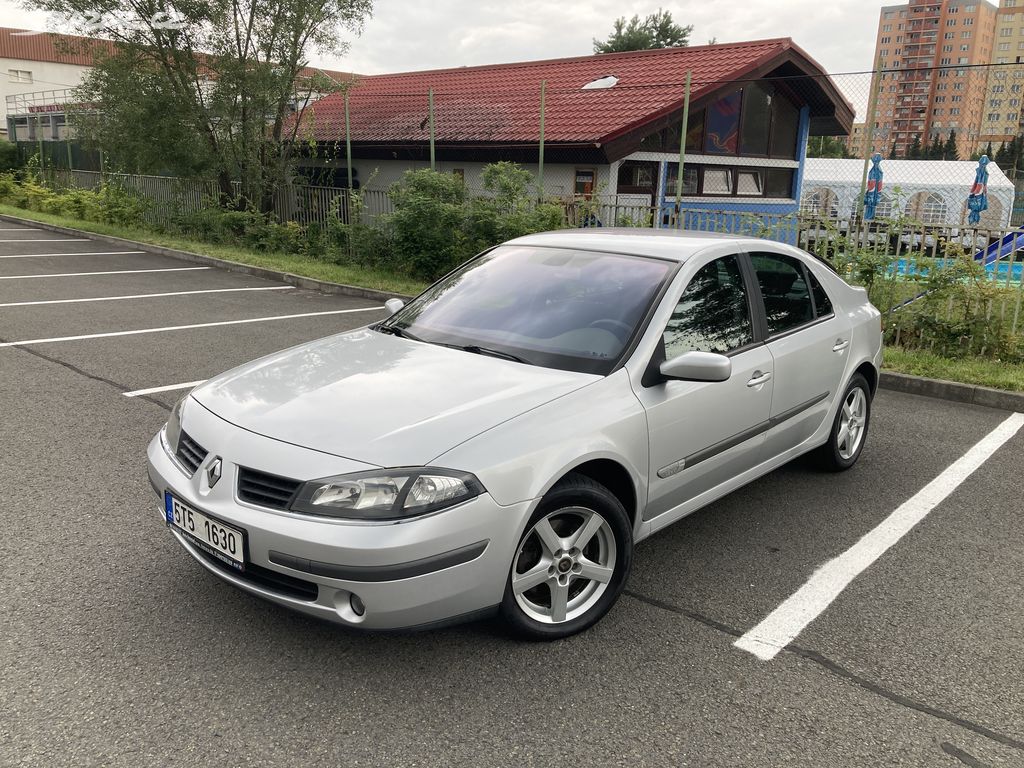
602, 82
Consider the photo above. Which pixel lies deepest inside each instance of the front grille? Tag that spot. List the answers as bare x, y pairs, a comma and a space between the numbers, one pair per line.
272, 581
190, 453
266, 490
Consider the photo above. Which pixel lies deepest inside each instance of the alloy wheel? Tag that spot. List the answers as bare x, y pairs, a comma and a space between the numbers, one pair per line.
851, 423
564, 565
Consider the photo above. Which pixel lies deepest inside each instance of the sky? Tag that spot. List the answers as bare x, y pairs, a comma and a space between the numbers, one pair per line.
406, 35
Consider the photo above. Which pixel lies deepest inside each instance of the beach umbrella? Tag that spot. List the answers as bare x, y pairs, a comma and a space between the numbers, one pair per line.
873, 195
977, 201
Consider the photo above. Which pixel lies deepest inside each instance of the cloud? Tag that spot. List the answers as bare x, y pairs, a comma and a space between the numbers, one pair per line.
451, 33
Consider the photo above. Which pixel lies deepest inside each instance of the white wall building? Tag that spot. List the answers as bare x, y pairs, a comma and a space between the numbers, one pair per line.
34, 62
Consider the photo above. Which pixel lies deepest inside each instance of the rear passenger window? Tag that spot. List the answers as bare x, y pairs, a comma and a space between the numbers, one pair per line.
822, 303
787, 300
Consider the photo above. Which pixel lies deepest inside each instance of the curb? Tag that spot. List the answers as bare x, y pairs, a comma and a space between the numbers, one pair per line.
951, 390
307, 283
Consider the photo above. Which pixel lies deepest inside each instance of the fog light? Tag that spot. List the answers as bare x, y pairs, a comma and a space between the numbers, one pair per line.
357, 605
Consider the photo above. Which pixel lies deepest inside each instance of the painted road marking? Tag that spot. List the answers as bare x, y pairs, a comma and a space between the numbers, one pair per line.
90, 253
165, 329
168, 388
48, 240
787, 621
144, 296
116, 272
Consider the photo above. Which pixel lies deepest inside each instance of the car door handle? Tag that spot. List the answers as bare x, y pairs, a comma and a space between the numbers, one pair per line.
759, 378
840, 345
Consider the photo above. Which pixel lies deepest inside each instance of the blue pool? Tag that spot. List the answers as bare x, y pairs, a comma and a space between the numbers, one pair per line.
996, 271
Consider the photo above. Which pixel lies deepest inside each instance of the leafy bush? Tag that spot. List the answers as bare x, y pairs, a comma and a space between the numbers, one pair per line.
434, 227
427, 226
110, 204
8, 155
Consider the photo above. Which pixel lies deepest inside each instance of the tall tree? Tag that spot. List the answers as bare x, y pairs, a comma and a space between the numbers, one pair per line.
934, 150
949, 151
827, 146
988, 152
892, 151
655, 31
914, 151
211, 88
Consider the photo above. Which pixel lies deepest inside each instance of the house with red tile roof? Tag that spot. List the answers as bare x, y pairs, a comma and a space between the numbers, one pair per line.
612, 123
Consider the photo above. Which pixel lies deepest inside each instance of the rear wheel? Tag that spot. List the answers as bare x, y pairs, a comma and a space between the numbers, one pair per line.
571, 563
850, 428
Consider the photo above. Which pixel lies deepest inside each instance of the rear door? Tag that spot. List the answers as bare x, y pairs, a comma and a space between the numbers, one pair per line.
809, 344
704, 433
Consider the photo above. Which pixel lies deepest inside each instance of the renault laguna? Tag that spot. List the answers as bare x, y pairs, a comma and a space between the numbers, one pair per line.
502, 442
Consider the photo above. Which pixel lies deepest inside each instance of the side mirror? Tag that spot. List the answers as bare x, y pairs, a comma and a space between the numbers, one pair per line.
393, 305
698, 366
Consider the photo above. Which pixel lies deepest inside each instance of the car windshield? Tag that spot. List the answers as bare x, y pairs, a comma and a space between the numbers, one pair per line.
553, 307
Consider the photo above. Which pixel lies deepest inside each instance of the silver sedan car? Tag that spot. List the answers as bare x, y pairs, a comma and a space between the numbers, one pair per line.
501, 443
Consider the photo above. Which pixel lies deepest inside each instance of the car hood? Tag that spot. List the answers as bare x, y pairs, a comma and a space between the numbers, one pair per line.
380, 399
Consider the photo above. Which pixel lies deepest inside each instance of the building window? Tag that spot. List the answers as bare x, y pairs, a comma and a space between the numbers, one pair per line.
718, 181
585, 179
19, 76
637, 177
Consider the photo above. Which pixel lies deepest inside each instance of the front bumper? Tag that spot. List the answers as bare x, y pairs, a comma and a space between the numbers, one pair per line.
421, 572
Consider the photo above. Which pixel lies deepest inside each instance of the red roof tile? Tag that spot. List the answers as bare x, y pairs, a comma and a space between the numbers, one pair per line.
71, 49
501, 103
47, 46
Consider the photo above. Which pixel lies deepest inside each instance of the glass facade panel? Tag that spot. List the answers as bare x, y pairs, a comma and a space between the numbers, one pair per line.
757, 120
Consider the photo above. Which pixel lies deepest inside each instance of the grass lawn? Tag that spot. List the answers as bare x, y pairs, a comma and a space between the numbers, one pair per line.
987, 373
364, 277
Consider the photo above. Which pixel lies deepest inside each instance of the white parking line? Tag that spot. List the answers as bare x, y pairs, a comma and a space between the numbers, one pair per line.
165, 329
18, 229
115, 272
89, 253
168, 388
144, 296
787, 621
48, 240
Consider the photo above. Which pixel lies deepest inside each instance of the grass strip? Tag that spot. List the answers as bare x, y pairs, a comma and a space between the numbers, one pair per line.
348, 274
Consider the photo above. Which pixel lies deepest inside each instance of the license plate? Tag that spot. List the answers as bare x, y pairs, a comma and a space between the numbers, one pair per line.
219, 539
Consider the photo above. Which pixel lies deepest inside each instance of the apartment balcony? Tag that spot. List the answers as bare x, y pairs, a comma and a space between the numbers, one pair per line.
38, 102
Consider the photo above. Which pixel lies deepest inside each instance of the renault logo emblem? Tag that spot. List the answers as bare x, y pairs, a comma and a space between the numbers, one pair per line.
213, 472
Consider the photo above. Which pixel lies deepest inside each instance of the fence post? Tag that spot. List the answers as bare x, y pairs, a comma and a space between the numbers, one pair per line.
869, 141
430, 99
540, 156
348, 143
682, 149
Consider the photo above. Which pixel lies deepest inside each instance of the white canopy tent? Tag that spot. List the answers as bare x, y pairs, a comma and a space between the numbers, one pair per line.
930, 191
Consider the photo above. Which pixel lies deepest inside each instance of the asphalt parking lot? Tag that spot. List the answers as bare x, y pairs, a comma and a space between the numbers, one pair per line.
119, 650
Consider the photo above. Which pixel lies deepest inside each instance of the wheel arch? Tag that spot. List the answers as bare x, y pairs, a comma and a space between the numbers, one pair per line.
868, 371
615, 477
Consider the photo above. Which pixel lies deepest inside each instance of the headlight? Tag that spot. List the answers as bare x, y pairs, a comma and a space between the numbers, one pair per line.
386, 494
172, 430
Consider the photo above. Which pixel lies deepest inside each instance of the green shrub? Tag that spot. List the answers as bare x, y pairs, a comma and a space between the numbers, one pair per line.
8, 156
427, 226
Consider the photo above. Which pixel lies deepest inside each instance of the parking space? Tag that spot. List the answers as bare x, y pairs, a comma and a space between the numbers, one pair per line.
119, 650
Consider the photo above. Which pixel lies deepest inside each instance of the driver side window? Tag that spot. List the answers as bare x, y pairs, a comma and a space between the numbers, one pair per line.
713, 314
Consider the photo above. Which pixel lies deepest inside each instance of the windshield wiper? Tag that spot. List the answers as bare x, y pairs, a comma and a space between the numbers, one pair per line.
478, 350
401, 333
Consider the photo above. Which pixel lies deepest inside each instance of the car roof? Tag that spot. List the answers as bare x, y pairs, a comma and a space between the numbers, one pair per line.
671, 244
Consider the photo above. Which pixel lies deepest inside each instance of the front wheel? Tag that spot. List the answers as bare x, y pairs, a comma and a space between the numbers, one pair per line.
571, 563
850, 428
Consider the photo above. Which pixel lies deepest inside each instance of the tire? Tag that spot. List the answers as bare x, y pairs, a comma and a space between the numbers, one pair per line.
554, 567
839, 454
